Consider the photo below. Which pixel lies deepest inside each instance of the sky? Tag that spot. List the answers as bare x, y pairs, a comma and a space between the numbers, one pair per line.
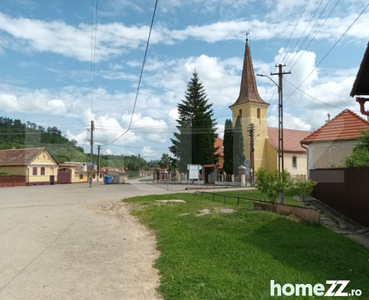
64, 63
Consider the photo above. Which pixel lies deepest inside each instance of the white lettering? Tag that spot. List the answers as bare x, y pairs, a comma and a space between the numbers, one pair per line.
357, 292
331, 289
272, 288
290, 287
343, 284
319, 289
304, 288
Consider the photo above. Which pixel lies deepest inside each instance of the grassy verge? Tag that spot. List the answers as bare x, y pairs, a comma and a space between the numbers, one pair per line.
147, 180
235, 256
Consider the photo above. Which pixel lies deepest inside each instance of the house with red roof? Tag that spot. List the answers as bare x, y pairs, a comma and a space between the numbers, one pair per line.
218, 145
37, 165
331, 143
295, 156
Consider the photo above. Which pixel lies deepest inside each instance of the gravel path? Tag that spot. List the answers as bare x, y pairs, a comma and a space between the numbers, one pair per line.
75, 242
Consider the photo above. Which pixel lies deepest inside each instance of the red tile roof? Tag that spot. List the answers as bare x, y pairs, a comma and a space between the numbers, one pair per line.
218, 143
291, 139
345, 126
19, 157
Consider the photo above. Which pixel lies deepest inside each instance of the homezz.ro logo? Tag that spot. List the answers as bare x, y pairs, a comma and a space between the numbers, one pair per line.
336, 288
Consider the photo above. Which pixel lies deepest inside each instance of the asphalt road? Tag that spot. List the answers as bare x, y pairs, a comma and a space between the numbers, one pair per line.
75, 242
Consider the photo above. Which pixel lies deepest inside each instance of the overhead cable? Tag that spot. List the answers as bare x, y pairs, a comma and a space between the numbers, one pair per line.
140, 79
330, 50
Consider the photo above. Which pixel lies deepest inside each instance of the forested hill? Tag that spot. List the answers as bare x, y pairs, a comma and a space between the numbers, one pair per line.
15, 134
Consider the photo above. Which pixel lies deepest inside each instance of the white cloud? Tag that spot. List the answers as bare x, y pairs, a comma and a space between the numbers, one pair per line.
107, 130
58, 37
156, 130
38, 101
148, 153
108, 152
220, 131
115, 39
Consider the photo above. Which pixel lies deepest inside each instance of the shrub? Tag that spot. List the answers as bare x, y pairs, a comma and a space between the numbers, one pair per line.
303, 188
268, 182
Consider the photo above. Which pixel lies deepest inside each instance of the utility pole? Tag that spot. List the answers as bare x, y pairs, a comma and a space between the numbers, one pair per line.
280, 118
251, 131
280, 124
98, 162
138, 164
92, 150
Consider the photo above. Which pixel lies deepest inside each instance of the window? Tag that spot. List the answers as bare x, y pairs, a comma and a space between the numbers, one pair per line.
80, 176
34, 171
42, 170
294, 162
258, 113
94, 176
240, 113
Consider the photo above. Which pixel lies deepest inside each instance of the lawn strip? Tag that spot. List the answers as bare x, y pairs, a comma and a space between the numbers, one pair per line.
235, 255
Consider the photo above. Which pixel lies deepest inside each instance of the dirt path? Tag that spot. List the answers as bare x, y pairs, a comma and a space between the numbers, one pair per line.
72, 242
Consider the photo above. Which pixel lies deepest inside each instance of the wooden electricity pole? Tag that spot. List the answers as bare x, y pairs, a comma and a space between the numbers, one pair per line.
280, 125
91, 154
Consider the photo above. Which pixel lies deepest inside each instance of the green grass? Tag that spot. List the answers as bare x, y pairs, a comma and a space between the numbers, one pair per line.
147, 180
234, 256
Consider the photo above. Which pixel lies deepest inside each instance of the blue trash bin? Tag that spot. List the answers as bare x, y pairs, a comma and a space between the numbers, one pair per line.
108, 179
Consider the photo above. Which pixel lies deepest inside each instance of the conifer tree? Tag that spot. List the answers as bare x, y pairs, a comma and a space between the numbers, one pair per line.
194, 141
238, 150
228, 148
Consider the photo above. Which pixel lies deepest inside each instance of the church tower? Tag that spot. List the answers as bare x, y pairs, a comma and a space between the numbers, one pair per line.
252, 110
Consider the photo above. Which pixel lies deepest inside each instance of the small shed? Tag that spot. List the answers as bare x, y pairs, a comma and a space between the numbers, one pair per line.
118, 176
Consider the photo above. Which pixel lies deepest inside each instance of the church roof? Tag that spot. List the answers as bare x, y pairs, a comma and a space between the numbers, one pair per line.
291, 139
248, 91
361, 84
345, 126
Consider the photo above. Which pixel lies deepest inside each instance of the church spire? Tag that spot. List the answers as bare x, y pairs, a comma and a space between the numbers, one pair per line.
248, 91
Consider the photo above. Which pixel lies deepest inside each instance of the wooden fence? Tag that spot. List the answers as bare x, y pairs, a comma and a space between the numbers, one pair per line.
345, 190
13, 180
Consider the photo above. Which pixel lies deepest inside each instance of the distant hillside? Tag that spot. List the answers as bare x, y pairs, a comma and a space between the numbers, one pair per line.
15, 134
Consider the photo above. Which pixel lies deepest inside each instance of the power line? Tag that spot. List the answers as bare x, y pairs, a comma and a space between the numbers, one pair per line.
303, 33
294, 29
330, 50
93, 49
316, 99
311, 29
316, 33
140, 79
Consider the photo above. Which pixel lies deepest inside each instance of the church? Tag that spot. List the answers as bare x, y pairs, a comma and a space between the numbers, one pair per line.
252, 109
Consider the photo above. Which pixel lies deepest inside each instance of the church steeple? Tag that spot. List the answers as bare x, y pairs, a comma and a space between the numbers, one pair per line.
248, 91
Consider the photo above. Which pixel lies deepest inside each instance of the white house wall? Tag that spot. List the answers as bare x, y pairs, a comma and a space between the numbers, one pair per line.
329, 154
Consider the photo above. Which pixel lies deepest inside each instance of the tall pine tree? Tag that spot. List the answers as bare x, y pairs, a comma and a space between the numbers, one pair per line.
228, 148
238, 150
194, 141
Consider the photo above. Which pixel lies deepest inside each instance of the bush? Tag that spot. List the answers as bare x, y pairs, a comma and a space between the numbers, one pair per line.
358, 159
268, 182
303, 188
